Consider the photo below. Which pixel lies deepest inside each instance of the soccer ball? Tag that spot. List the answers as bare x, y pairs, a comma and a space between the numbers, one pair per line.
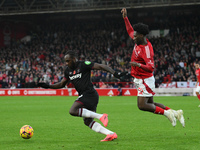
26, 132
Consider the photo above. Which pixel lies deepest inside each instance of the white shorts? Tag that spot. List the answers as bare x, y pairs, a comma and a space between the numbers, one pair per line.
198, 89
145, 87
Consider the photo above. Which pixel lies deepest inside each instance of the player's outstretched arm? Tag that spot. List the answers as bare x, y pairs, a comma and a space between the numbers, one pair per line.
58, 85
98, 66
129, 28
108, 69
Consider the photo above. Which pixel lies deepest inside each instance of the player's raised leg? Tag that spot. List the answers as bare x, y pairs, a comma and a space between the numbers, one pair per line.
146, 104
77, 110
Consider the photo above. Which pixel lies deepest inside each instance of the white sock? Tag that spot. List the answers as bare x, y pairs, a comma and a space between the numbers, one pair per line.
97, 127
88, 114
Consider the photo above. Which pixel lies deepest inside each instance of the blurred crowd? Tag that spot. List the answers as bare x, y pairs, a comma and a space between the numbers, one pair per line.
24, 64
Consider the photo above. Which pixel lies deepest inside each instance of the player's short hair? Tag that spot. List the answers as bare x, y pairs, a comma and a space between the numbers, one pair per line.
196, 63
141, 28
71, 53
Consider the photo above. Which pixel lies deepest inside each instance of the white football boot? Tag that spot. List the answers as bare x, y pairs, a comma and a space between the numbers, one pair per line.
171, 117
180, 117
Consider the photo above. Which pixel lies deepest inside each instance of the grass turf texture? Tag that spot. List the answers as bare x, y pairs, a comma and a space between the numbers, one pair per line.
55, 129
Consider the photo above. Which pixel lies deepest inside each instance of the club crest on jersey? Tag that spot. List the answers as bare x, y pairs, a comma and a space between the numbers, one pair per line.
75, 76
87, 62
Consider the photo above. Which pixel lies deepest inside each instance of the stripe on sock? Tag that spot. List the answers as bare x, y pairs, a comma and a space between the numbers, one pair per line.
80, 110
91, 124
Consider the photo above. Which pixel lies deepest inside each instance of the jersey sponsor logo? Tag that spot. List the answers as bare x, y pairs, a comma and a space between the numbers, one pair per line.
87, 62
75, 76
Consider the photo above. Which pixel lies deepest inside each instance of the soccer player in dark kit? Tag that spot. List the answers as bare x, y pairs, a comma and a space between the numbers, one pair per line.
79, 72
142, 67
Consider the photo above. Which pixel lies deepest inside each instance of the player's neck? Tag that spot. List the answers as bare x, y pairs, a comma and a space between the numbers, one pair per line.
143, 43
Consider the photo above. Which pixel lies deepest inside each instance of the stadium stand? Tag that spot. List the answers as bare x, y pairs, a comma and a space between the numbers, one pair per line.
100, 37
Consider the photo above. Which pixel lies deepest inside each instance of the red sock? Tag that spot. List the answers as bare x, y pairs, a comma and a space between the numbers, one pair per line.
166, 108
159, 110
198, 96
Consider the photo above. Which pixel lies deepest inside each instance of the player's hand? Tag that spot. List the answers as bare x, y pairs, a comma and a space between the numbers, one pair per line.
134, 64
43, 85
120, 74
124, 12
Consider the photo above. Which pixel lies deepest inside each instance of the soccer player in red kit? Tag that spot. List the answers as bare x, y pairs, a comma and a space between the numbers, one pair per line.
197, 72
142, 67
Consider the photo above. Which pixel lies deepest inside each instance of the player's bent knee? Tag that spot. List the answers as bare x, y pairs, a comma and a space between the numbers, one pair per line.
87, 121
141, 107
73, 112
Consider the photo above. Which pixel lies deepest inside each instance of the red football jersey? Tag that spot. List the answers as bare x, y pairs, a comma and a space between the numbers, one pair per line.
198, 75
142, 54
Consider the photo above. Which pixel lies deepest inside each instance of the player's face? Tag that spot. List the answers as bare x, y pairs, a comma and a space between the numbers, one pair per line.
70, 62
138, 38
197, 66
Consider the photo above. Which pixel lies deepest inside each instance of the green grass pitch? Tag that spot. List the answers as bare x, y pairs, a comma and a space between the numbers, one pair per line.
55, 129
